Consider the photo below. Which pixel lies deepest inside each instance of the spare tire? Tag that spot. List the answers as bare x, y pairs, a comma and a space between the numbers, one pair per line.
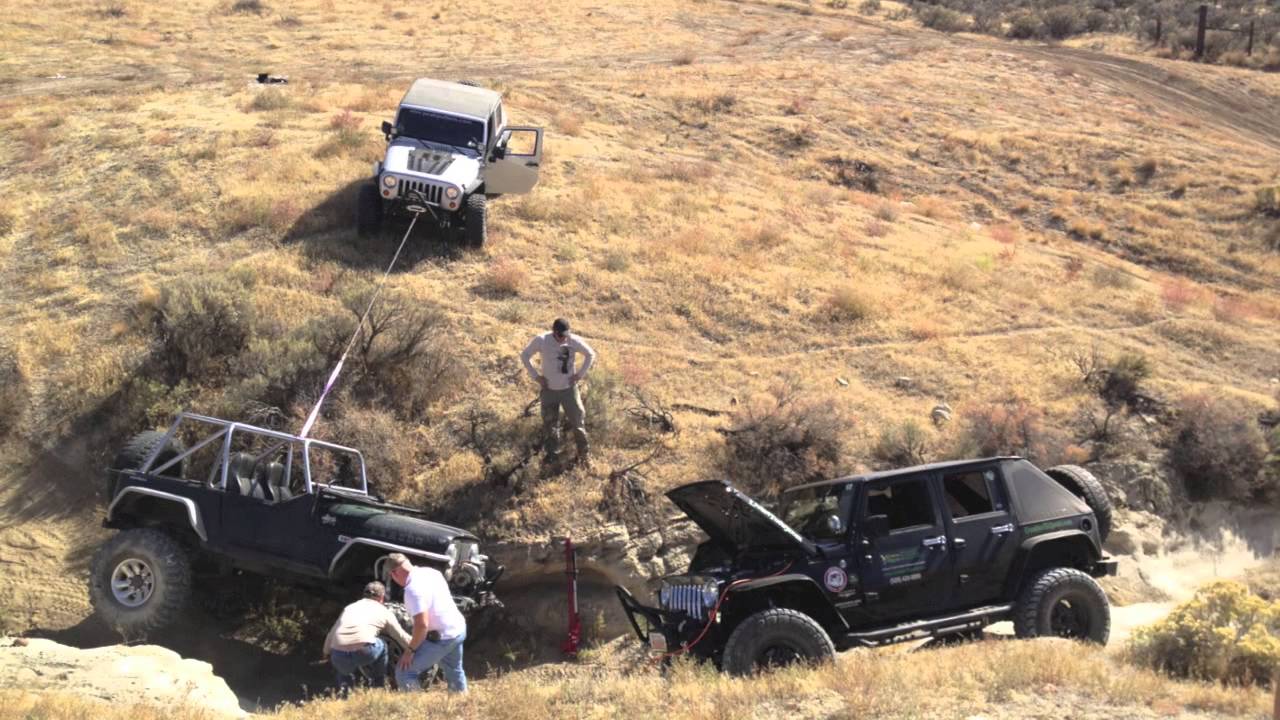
1085, 486
138, 449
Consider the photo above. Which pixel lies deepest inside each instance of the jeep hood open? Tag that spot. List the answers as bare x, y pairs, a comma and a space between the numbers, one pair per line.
734, 520
408, 157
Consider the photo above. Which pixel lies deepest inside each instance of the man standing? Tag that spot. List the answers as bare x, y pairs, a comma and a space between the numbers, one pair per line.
438, 626
353, 643
559, 381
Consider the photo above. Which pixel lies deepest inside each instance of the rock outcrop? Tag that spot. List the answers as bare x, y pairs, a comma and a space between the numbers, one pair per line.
123, 676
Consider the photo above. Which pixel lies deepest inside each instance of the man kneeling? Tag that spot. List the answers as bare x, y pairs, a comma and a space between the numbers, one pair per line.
354, 644
438, 626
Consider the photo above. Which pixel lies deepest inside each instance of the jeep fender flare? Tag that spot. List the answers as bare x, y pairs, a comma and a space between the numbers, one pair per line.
1031, 555
193, 512
814, 602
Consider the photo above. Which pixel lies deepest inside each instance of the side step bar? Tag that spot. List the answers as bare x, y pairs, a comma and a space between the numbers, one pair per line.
971, 619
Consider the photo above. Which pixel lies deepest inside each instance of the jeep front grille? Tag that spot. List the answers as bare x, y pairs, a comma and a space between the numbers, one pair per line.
428, 191
686, 599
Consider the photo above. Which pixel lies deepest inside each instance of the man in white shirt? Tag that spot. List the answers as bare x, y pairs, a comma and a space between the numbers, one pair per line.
439, 629
559, 380
354, 643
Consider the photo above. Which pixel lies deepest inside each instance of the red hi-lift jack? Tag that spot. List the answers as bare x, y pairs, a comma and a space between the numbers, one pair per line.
570, 645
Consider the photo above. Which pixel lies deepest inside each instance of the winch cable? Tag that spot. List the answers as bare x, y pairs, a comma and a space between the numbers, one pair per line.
337, 369
711, 618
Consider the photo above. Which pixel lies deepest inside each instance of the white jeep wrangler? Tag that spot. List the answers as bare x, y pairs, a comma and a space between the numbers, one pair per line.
449, 150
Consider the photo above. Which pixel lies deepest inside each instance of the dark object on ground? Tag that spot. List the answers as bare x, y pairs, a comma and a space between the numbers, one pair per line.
925, 551
265, 79
262, 502
449, 150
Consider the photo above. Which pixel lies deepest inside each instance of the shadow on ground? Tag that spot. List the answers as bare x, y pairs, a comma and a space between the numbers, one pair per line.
328, 233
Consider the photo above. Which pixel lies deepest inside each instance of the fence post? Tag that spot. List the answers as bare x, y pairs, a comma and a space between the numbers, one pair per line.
1249, 50
1204, 17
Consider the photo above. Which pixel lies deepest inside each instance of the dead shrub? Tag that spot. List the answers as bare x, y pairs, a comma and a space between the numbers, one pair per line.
254, 7
782, 439
269, 100
505, 278
1233, 309
849, 304
887, 211
13, 389
684, 57
201, 323
1012, 426
901, 446
1025, 25
1217, 448
567, 124
1178, 293
399, 359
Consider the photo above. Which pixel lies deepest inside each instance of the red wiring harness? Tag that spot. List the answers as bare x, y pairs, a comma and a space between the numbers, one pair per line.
715, 610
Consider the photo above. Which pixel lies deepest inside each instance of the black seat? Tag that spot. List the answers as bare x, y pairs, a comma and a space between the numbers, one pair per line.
277, 482
240, 474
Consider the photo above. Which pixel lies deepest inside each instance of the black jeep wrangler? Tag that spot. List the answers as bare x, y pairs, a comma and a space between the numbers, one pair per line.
933, 550
254, 500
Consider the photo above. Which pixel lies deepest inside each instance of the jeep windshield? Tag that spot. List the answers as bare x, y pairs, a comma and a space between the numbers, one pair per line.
438, 128
810, 510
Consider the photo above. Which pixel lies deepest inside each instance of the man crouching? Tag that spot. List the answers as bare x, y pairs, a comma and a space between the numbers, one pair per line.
354, 645
439, 629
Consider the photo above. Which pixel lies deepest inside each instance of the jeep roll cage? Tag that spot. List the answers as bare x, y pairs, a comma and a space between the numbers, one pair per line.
225, 430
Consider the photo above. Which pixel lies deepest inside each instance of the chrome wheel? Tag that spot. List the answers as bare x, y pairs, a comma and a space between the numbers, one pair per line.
132, 583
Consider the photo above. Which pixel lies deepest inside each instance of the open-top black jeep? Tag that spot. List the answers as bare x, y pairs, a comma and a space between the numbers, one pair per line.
932, 550
259, 501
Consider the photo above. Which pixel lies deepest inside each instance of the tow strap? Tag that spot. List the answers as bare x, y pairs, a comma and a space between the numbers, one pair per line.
333, 377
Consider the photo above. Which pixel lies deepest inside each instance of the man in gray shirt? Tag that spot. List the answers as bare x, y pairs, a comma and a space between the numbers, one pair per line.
559, 380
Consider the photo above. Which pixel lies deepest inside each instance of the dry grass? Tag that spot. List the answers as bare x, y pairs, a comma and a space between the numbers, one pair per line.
677, 197
1006, 679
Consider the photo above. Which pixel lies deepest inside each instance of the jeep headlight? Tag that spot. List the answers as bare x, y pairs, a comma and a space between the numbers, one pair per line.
710, 593
452, 553
664, 596
451, 193
389, 180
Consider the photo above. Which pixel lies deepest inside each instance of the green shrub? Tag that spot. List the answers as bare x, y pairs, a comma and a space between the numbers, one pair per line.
1096, 20
203, 322
901, 446
1217, 449
1224, 633
782, 439
1025, 25
389, 452
1062, 21
942, 19
1123, 380
869, 7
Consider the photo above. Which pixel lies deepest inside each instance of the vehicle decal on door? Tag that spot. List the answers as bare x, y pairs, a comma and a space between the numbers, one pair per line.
835, 579
1041, 528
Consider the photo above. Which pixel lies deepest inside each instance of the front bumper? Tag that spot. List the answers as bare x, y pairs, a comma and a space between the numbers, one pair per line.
661, 630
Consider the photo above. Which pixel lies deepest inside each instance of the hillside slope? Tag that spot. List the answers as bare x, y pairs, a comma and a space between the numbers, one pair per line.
735, 195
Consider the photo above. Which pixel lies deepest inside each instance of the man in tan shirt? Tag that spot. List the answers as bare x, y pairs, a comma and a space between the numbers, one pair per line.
354, 643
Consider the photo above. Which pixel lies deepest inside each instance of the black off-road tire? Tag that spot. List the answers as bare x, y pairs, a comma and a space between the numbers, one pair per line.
1063, 602
474, 220
368, 211
1085, 486
775, 637
170, 571
138, 449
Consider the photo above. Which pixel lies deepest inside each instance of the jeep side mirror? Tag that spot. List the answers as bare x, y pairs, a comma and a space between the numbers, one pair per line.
387, 128
499, 152
875, 526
